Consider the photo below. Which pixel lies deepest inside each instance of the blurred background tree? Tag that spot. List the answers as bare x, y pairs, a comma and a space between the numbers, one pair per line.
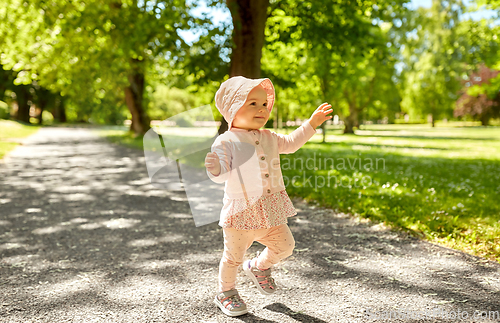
107, 61
481, 96
95, 52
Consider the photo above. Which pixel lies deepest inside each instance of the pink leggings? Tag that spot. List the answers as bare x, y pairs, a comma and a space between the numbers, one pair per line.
279, 244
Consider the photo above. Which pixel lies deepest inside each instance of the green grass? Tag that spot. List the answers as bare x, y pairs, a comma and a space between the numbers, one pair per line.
441, 183
11, 132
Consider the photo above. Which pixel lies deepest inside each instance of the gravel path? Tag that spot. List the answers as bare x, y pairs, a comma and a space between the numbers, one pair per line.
84, 237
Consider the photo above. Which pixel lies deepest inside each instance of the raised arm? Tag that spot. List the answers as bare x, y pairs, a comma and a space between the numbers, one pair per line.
288, 144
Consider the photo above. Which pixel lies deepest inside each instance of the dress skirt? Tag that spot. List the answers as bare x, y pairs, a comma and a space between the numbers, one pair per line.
257, 212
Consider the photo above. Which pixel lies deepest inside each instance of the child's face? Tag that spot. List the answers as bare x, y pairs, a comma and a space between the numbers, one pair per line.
253, 114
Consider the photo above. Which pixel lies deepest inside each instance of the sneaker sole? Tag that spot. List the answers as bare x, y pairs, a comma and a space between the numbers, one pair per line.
228, 312
254, 279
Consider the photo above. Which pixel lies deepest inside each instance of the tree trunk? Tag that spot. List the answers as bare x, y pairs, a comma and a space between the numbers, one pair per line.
249, 21
133, 98
485, 120
352, 119
324, 89
40, 116
43, 97
23, 96
432, 115
60, 110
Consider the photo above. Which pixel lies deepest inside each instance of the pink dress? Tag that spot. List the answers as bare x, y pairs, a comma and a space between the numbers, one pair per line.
261, 200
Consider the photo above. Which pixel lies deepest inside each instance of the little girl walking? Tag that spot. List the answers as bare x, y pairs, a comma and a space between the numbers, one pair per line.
255, 209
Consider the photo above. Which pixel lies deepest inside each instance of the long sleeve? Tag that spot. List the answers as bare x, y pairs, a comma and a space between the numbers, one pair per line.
288, 144
223, 150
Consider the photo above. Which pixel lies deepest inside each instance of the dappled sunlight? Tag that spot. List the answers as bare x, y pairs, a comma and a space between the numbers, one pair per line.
110, 245
177, 215
5, 223
13, 245
134, 290
60, 290
373, 260
439, 142
143, 243
51, 229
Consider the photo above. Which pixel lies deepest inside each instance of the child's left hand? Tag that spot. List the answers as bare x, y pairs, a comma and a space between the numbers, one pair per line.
320, 115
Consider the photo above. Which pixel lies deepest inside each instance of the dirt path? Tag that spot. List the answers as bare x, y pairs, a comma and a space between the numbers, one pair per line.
84, 237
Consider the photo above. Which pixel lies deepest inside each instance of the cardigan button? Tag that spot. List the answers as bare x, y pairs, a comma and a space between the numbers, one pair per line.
269, 191
262, 157
257, 142
267, 175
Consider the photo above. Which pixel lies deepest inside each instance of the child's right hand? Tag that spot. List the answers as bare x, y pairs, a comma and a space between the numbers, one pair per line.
212, 163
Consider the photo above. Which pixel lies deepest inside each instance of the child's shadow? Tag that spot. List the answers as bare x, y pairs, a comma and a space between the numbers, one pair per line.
281, 308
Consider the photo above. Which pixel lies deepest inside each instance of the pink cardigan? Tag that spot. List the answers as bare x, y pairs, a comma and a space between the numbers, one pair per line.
257, 154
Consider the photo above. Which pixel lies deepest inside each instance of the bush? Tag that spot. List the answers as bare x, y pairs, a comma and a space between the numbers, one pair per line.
47, 117
4, 110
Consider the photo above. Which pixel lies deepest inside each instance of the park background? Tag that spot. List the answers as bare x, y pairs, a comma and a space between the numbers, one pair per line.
414, 83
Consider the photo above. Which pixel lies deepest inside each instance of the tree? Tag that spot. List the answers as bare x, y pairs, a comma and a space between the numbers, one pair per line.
345, 48
439, 50
249, 20
90, 49
481, 97
433, 54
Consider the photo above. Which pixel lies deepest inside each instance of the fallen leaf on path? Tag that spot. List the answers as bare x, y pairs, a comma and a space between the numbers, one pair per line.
338, 272
443, 302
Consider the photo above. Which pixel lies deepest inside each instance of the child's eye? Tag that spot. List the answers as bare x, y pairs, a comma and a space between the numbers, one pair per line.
253, 103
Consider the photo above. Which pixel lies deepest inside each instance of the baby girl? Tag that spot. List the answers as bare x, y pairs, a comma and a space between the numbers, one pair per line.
256, 209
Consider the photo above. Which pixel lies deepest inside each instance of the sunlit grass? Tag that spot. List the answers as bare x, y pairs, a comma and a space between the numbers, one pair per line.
441, 183
10, 132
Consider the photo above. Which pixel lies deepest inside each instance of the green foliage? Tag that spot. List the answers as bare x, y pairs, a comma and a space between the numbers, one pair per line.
167, 102
339, 55
47, 118
85, 50
4, 110
439, 50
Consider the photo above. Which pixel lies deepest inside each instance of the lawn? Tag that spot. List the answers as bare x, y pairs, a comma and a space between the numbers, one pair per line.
442, 183
11, 132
